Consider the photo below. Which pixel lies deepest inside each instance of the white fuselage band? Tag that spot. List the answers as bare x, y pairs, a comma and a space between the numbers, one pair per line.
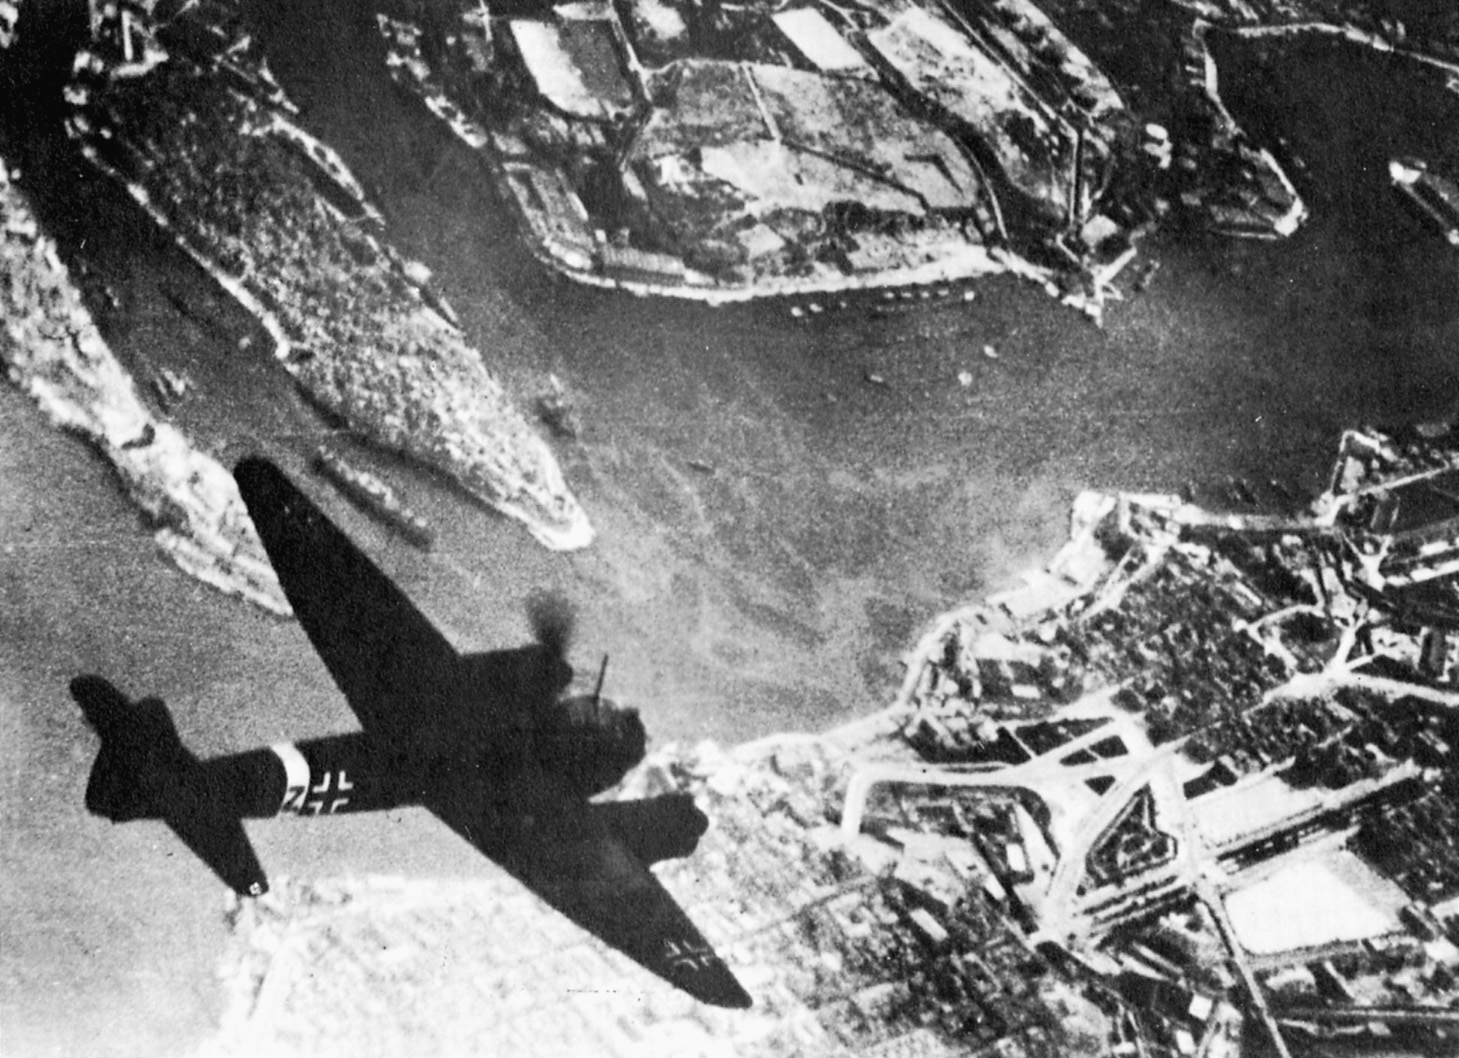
296, 776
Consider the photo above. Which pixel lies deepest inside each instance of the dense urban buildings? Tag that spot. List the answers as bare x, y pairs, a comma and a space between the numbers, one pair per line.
1189, 790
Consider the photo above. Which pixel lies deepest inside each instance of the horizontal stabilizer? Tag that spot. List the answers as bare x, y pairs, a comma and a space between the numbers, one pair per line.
220, 842
141, 758
144, 772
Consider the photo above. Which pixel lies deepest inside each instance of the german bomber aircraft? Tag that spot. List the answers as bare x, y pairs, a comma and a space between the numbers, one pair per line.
490, 743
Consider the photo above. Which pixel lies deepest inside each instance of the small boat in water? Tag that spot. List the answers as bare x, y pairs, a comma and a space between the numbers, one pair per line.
367, 491
1437, 197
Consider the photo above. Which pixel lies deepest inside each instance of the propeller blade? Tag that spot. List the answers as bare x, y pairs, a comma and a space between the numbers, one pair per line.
602, 674
552, 621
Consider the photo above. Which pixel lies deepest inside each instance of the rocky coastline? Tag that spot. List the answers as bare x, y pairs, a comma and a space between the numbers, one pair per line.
186, 117
52, 350
937, 253
1158, 148
780, 206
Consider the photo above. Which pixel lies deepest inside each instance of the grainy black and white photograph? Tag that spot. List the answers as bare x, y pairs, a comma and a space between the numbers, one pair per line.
729, 528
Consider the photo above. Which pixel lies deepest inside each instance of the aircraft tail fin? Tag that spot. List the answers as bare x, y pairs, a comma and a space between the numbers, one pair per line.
144, 772
142, 759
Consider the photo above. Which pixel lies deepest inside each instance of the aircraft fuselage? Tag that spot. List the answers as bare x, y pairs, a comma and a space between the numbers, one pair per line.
322, 776
587, 748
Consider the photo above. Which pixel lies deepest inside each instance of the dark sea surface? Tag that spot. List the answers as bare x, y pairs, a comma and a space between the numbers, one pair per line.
775, 529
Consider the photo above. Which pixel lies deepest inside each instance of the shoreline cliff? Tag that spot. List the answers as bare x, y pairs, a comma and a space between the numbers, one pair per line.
52, 350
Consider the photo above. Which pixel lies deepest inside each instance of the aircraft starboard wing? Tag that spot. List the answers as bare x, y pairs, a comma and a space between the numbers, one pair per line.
398, 672
574, 861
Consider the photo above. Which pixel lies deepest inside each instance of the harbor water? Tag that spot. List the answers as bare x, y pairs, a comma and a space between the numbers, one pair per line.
782, 502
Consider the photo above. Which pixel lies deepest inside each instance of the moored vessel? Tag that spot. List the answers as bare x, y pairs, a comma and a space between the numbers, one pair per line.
368, 492
1436, 196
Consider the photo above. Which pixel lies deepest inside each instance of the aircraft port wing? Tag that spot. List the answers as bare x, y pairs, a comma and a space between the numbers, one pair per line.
573, 859
399, 673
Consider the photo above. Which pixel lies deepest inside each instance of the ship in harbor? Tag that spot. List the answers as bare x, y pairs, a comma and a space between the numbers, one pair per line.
368, 492
1435, 195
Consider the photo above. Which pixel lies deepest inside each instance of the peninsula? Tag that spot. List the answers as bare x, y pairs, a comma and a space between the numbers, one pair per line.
725, 152
51, 349
174, 102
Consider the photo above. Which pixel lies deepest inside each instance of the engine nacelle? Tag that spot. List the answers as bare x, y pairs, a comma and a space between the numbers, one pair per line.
591, 742
666, 827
